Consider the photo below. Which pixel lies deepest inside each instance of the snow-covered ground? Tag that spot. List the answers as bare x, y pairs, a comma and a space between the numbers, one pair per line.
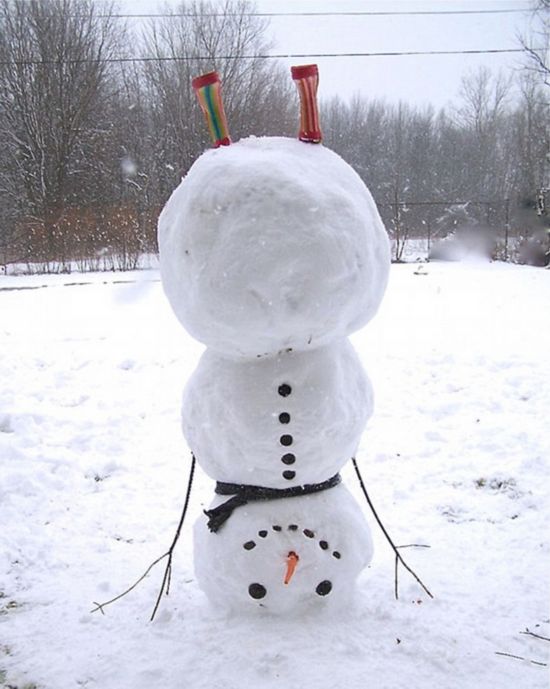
93, 472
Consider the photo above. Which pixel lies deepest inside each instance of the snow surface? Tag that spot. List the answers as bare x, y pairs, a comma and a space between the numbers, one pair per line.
93, 470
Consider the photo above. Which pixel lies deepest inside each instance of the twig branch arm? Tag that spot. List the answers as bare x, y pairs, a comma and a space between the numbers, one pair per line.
100, 606
165, 586
166, 580
398, 557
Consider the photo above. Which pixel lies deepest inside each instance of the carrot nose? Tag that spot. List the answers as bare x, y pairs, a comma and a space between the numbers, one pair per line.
291, 563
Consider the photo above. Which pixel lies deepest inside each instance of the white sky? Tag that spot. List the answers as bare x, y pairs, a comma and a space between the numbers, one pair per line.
417, 80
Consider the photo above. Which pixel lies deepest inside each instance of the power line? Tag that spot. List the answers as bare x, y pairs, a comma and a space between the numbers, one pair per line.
278, 56
314, 14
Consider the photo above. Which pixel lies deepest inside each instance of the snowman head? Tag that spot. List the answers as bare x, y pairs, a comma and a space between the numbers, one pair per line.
290, 556
272, 244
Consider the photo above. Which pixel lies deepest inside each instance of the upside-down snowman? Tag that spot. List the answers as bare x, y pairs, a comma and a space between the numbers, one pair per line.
272, 253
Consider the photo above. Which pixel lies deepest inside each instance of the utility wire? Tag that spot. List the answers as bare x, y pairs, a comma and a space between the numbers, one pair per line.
185, 58
313, 14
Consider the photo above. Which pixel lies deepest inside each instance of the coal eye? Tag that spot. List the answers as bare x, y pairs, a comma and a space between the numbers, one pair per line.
257, 591
324, 588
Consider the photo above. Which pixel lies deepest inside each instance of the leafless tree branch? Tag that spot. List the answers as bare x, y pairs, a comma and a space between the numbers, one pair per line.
512, 655
536, 636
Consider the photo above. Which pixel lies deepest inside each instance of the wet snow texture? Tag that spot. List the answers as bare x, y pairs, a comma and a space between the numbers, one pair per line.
93, 469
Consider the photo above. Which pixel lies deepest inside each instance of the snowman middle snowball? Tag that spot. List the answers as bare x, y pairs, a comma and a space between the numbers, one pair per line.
272, 252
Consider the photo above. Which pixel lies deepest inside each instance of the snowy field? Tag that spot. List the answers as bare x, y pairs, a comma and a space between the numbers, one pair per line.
93, 471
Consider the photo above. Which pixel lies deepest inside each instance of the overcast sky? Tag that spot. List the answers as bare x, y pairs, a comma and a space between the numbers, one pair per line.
418, 80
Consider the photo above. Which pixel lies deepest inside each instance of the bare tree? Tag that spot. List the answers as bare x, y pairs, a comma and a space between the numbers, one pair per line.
53, 82
488, 154
481, 115
536, 42
484, 99
197, 38
530, 137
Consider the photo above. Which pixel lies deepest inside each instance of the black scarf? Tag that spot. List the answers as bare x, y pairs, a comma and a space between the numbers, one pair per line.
243, 494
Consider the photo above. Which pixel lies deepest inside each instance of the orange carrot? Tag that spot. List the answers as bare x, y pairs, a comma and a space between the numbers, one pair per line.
291, 563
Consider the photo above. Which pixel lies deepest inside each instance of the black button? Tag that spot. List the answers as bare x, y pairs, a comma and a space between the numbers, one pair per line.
309, 533
288, 458
257, 591
293, 527
323, 545
249, 545
285, 390
336, 554
286, 440
277, 528
324, 588
289, 474
284, 417
262, 533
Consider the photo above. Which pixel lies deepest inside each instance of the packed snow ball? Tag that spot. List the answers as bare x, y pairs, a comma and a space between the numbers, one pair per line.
232, 417
244, 567
271, 244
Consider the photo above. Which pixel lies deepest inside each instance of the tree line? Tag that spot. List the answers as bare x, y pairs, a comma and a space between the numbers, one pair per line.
93, 142
481, 165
